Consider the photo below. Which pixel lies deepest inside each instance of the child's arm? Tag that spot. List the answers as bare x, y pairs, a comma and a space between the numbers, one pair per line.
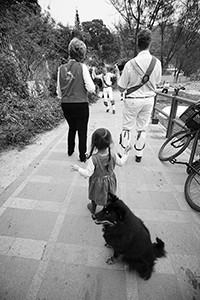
84, 172
121, 161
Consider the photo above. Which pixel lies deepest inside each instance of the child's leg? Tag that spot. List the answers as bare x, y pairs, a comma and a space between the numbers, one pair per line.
105, 93
112, 101
92, 207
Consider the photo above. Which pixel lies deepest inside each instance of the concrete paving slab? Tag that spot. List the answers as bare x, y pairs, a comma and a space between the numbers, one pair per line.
16, 276
65, 281
44, 191
187, 271
160, 287
46, 227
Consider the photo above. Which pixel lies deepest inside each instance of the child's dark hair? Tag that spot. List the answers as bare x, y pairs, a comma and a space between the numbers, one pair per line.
101, 140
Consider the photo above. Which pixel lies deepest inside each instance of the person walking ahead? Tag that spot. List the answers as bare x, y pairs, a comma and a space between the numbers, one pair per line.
73, 83
100, 168
106, 78
138, 104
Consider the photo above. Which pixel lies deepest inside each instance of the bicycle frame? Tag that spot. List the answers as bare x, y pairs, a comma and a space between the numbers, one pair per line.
196, 137
192, 182
173, 147
190, 167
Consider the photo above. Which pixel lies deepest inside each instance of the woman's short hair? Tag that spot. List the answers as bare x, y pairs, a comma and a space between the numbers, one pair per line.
77, 49
144, 39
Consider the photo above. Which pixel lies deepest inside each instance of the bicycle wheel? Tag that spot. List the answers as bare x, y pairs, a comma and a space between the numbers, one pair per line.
192, 189
174, 145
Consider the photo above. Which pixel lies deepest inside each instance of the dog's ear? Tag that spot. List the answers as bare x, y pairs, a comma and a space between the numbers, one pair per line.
121, 213
112, 198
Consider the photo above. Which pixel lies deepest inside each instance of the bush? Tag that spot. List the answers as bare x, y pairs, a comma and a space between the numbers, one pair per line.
10, 76
22, 119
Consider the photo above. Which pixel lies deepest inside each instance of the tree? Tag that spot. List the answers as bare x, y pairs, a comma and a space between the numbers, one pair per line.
181, 44
8, 4
101, 42
139, 13
125, 40
77, 21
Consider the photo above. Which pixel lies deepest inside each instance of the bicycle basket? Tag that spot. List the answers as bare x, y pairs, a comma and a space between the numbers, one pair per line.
191, 116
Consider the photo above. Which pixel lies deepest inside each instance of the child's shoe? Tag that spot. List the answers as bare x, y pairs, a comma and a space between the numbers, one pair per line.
92, 207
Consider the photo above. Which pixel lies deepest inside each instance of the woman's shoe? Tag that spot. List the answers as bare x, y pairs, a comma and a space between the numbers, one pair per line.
70, 153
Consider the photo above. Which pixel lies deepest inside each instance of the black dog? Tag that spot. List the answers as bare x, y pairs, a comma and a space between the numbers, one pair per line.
129, 237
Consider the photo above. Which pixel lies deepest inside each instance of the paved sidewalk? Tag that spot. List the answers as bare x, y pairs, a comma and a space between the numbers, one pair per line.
50, 248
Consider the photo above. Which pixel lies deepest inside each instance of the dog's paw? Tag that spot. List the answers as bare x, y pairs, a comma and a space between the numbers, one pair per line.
111, 260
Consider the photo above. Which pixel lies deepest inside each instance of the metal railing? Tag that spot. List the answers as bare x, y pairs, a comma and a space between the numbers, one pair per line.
172, 119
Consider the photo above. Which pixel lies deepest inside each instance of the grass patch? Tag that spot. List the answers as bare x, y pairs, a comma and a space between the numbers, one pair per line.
22, 119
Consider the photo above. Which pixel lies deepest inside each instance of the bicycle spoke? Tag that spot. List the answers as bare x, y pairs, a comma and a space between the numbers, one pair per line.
195, 189
174, 146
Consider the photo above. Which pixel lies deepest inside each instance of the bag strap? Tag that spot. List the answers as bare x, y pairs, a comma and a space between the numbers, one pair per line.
145, 77
105, 82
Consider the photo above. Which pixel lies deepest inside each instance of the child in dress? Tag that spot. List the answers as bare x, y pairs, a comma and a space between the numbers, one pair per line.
100, 168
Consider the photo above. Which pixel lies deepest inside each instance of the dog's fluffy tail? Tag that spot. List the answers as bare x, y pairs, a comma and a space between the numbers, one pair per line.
159, 246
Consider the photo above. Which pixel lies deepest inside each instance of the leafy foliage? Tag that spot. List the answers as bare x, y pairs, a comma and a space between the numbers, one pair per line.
10, 78
103, 43
22, 119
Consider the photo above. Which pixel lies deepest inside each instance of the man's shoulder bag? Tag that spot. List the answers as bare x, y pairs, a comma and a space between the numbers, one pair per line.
145, 78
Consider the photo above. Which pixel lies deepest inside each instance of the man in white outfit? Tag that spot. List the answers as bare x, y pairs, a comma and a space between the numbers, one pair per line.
138, 104
107, 88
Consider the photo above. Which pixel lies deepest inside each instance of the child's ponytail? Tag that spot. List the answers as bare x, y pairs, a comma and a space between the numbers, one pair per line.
109, 158
91, 151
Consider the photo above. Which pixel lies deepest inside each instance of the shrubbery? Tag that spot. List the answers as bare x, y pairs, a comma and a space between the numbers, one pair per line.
22, 119
11, 78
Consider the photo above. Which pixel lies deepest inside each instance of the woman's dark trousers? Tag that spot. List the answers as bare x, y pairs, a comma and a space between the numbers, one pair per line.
77, 116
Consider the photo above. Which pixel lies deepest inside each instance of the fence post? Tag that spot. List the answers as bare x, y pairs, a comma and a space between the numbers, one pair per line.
172, 116
154, 120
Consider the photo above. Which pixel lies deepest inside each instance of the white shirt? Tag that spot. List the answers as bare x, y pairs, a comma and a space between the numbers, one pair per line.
89, 84
130, 77
90, 166
106, 78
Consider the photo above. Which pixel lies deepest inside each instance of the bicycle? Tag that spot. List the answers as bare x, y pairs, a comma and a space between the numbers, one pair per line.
177, 143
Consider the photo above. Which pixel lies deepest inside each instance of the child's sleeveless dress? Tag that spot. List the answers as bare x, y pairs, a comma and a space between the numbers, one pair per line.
102, 180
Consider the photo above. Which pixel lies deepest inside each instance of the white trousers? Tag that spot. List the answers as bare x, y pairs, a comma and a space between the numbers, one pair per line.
108, 92
136, 114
